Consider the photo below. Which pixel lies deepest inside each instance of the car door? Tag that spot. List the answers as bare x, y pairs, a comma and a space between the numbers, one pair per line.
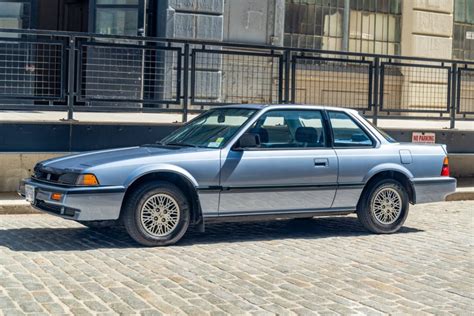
292, 170
357, 153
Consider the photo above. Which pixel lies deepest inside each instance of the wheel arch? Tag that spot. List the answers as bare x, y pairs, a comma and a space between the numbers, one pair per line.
397, 173
185, 182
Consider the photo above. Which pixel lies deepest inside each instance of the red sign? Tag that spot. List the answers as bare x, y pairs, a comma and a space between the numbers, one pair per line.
420, 137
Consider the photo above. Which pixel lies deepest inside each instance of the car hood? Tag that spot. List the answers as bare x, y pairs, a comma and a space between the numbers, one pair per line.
78, 162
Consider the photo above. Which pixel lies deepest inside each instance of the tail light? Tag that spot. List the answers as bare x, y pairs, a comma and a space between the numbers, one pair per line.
445, 168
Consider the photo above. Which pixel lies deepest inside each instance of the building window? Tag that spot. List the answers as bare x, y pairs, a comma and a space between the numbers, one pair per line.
463, 30
315, 24
374, 25
15, 15
118, 17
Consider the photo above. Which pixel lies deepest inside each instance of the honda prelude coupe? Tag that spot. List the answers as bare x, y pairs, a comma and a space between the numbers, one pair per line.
245, 162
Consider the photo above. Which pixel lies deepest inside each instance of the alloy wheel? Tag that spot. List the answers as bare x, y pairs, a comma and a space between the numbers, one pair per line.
160, 215
386, 206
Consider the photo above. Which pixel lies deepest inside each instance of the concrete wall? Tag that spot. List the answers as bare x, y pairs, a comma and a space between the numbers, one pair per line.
427, 27
16, 166
193, 19
254, 21
341, 88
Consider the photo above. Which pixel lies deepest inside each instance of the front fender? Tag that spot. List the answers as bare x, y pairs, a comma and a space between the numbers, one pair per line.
388, 167
162, 167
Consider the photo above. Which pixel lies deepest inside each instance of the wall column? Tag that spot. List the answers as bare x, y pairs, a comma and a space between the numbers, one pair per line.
427, 29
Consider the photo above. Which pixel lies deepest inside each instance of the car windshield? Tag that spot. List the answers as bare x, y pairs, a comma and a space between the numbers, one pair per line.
212, 129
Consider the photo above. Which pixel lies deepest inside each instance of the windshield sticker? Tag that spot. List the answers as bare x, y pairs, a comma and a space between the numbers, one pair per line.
220, 140
213, 144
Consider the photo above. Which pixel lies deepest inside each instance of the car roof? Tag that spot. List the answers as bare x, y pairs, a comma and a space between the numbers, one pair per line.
293, 105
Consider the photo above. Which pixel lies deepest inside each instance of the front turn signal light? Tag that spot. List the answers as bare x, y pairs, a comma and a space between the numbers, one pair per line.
87, 179
445, 168
56, 196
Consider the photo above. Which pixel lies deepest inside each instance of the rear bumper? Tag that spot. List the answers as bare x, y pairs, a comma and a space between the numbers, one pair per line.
77, 203
429, 190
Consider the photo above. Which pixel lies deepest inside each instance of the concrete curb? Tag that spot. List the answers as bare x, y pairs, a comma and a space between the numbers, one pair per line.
461, 196
17, 209
11, 203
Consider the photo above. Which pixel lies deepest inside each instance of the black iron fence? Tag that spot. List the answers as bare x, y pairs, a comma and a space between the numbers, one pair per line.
44, 70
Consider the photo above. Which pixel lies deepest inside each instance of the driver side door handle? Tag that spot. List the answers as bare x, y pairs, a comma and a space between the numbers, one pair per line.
321, 162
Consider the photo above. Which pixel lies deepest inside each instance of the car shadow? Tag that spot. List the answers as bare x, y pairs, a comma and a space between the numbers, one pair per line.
78, 238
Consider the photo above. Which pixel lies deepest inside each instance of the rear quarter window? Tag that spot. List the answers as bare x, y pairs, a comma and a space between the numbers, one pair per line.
346, 132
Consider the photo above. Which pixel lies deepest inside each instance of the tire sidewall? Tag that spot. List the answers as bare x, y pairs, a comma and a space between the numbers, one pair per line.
374, 189
133, 218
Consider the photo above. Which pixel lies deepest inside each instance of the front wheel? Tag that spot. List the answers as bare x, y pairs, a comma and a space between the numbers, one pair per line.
156, 214
384, 207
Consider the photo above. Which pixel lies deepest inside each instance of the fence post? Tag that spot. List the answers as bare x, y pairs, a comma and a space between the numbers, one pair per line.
186, 82
287, 75
293, 80
70, 82
375, 97
454, 95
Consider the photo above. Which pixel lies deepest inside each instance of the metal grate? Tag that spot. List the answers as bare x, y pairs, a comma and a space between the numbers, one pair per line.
91, 72
465, 91
31, 70
224, 77
129, 73
332, 81
409, 87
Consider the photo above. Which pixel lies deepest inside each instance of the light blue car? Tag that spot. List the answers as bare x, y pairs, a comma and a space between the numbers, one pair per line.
245, 162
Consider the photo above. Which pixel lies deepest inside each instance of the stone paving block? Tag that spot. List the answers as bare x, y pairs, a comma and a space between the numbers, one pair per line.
325, 266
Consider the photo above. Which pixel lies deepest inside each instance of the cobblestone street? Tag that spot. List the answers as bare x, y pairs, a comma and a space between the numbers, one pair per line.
327, 265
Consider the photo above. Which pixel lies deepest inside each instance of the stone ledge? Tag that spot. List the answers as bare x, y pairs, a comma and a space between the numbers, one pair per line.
12, 203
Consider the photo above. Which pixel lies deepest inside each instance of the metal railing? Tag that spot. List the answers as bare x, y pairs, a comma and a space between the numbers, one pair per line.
45, 70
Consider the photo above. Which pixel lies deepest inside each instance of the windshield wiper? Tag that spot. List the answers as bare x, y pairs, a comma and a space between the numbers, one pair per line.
178, 144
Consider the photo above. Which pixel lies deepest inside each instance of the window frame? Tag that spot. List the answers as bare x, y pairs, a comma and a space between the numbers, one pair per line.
325, 125
94, 6
464, 47
360, 125
32, 18
304, 25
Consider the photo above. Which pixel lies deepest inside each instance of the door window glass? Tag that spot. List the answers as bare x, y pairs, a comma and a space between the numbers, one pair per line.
290, 129
346, 133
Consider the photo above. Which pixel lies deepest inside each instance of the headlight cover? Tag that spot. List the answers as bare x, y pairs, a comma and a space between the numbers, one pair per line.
68, 178
87, 179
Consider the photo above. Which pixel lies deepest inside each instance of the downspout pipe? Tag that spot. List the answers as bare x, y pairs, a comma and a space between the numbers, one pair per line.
345, 26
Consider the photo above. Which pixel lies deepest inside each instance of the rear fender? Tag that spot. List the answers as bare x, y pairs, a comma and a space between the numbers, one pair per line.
388, 167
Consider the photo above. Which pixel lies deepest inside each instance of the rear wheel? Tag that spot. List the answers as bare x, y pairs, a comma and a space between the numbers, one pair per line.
384, 206
156, 214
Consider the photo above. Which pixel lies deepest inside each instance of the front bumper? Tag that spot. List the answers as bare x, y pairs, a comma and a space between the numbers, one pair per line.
429, 190
77, 203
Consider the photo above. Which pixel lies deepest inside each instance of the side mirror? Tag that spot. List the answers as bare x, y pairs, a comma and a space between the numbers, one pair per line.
247, 140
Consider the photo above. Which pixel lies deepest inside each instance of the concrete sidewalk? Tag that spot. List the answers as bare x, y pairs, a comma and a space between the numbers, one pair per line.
12, 203
156, 118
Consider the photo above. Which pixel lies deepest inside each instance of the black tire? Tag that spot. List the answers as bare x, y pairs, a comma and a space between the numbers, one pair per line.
132, 213
99, 225
365, 211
